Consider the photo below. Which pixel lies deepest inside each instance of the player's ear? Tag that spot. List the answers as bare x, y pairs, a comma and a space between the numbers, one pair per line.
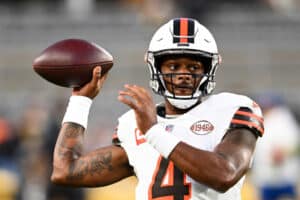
220, 59
146, 57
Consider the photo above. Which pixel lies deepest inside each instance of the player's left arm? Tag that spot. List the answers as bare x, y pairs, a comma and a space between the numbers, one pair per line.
231, 158
219, 169
223, 167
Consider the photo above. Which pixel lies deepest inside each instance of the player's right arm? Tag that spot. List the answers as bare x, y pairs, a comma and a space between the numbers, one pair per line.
101, 167
97, 168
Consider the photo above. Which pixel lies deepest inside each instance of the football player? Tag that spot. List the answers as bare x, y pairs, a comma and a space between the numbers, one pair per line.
194, 145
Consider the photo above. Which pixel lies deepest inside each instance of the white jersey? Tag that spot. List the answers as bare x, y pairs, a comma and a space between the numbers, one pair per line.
204, 127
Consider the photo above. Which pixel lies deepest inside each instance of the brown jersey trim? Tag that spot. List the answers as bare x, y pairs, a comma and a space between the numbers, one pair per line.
244, 117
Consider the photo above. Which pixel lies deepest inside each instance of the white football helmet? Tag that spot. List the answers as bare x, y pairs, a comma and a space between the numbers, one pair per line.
187, 37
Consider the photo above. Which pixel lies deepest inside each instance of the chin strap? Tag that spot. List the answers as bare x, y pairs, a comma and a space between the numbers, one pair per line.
182, 102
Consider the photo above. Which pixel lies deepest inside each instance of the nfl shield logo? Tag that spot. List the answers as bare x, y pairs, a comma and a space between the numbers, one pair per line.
169, 128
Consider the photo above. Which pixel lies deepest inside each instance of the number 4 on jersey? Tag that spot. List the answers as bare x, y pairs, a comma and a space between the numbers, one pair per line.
168, 182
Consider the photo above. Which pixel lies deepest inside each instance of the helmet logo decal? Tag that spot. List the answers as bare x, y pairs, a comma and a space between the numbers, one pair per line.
183, 31
202, 127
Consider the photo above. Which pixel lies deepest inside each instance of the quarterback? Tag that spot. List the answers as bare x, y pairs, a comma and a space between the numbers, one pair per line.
193, 146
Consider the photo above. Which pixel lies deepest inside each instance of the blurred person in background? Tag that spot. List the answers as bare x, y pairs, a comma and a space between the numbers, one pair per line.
276, 163
32, 158
9, 169
189, 147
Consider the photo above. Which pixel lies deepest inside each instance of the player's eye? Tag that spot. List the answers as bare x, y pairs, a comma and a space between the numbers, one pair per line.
193, 67
172, 67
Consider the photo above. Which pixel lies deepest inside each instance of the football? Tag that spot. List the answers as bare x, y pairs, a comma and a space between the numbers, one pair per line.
70, 62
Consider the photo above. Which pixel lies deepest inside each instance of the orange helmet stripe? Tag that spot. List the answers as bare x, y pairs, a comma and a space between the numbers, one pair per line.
183, 30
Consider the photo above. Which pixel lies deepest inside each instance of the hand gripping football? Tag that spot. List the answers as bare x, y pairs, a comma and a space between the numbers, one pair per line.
70, 62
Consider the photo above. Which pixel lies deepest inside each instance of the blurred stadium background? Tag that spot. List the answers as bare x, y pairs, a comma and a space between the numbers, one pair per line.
258, 39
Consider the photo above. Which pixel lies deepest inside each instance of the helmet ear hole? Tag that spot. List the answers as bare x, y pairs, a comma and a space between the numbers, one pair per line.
158, 61
203, 88
206, 63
